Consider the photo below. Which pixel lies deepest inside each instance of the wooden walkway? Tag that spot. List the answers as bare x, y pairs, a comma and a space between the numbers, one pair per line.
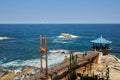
61, 70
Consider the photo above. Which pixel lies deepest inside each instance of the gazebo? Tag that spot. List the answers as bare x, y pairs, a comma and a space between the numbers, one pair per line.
101, 44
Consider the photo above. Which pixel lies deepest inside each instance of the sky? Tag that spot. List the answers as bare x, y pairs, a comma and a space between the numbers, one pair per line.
60, 11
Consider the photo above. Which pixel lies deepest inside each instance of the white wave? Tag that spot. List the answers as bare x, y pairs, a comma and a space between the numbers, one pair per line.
59, 51
63, 41
118, 60
3, 38
60, 37
52, 59
1, 60
56, 41
74, 36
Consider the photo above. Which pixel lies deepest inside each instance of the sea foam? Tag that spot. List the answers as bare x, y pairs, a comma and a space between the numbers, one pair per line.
3, 38
53, 58
62, 40
2, 59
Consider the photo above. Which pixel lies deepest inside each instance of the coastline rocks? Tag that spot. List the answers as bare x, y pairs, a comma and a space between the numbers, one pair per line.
18, 74
66, 35
108, 59
3, 72
111, 62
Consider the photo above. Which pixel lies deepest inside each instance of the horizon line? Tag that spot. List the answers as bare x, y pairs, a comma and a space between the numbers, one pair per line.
59, 23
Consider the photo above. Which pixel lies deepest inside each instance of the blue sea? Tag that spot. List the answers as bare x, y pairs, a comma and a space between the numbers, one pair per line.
19, 43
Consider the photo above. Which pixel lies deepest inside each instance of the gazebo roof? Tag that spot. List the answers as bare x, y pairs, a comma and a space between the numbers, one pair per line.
101, 40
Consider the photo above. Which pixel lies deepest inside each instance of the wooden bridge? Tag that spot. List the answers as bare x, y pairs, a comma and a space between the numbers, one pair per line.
59, 71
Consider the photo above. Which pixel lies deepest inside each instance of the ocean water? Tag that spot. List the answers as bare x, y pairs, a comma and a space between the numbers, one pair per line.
19, 43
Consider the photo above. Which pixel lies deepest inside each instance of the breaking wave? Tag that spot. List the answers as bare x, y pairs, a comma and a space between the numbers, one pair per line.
2, 59
59, 51
54, 57
63, 41
4, 38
